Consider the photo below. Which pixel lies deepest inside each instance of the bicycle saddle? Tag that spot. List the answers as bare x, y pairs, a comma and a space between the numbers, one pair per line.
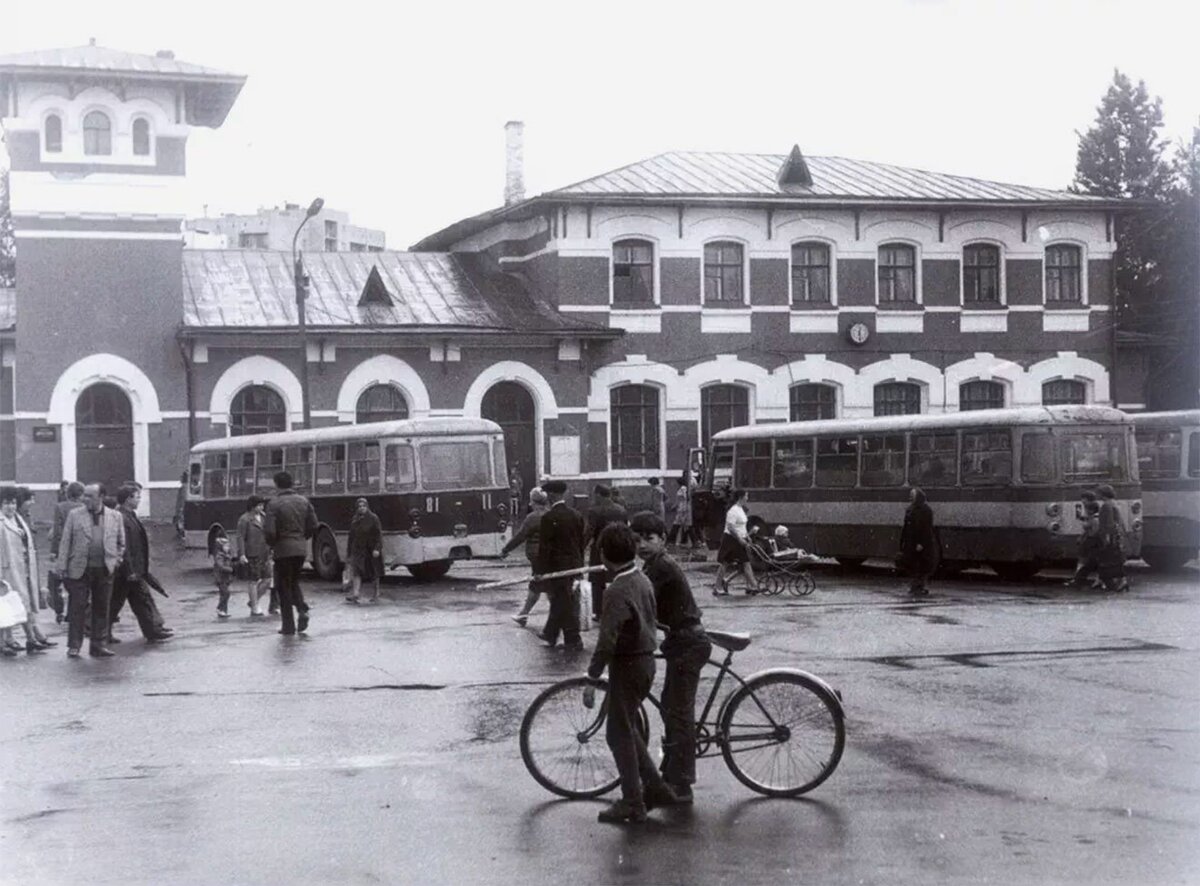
726, 640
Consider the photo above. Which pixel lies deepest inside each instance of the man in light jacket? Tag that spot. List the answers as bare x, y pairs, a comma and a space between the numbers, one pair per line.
91, 549
290, 521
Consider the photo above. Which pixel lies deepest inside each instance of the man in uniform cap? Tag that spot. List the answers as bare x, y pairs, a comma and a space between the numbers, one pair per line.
560, 546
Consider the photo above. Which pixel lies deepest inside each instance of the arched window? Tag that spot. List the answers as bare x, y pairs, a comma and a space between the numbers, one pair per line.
897, 398
980, 395
812, 402
721, 407
256, 409
1064, 392
97, 133
1063, 282
633, 426
633, 272
897, 273
723, 273
380, 403
141, 137
981, 273
810, 273
53, 134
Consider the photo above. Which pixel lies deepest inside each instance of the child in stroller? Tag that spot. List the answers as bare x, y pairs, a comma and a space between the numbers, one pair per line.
778, 564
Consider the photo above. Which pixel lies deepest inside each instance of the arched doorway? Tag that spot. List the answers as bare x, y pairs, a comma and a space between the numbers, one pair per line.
510, 405
104, 436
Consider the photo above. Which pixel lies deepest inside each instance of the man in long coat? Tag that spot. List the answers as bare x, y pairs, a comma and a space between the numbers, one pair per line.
130, 580
560, 546
92, 547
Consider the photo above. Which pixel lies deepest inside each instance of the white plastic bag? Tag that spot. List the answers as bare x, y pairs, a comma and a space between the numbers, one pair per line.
583, 593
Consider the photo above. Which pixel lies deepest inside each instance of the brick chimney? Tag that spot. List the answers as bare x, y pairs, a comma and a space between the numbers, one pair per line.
514, 162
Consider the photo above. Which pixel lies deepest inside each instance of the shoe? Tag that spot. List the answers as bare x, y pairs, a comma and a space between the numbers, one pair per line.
549, 643
683, 794
113, 640
302, 623
221, 613
100, 652
158, 638
521, 620
72, 652
372, 601
272, 610
353, 600
623, 810
59, 619
287, 633
166, 630
573, 647
658, 795
45, 643
8, 652
32, 648
259, 614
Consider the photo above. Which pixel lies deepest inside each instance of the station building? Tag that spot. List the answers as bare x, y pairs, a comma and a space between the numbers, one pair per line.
609, 325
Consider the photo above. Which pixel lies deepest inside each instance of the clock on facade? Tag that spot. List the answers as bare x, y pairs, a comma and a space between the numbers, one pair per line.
859, 333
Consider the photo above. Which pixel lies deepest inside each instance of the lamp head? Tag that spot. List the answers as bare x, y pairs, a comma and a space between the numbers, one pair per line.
314, 207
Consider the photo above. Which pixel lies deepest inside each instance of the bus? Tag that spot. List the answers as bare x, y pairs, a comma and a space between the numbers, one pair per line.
1003, 483
1168, 451
439, 486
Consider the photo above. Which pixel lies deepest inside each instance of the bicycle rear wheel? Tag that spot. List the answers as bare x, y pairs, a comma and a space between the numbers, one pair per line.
782, 734
563, 743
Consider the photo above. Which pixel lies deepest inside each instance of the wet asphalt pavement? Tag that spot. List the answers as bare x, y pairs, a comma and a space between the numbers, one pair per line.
995, 734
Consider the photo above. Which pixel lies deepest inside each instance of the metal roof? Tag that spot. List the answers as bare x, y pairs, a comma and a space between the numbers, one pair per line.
413, 427
8, 310
717, 174
244, 290
1189, 417
895, 424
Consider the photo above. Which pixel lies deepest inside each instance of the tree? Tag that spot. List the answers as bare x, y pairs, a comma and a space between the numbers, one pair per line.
1124, 155
8, 243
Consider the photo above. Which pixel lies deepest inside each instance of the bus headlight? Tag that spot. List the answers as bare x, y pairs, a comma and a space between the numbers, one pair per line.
1136, 507
502, 525
1137, 525
502, 509
1053, 510
414, 531
1055, 526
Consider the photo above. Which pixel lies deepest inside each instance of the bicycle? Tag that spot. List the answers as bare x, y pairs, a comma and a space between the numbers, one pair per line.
766, 722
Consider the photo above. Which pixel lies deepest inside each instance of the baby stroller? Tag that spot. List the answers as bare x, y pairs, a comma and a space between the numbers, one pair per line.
780, 569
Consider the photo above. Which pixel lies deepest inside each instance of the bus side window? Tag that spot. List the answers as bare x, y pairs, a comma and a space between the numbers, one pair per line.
299, 460
241, 473
793, 464
331, 469
400, 474
933, 460
195, 476
883, 460
215, 467
270, 463
363, 467
986, 458
1037, 458
500, 465
753, 465
1160, 453
837, 461
1194, 454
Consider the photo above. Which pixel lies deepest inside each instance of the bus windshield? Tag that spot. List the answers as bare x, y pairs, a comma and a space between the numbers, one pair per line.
1092, 456
457, 464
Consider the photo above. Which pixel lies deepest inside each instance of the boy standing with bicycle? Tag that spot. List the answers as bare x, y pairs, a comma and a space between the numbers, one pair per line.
686, 649
625, 646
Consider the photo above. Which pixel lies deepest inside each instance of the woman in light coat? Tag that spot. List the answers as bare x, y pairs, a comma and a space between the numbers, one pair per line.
19, 566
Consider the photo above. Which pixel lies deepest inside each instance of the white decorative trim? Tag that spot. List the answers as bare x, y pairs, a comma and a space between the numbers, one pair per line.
94, 235
987, 367
813, 321
256, 370
382, 369
1002, 273
918, 257
1068, 365
983, 321
143, 194
899, 368
725, 321
655, 264
199, 352
682, 309
1045, 232
545, 403
818, 369
570, 350
647, 321
586, 309
900, 321
636, 369
1066, 321
830, 244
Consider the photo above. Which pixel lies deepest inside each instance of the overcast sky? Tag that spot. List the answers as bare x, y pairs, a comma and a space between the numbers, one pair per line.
395, 112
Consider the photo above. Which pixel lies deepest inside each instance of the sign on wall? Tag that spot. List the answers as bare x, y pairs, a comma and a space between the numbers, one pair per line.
564, 456
45, 435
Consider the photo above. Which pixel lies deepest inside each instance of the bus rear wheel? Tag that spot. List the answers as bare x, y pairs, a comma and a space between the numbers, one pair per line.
1018, 571
325, 556
431, 570
1165, 559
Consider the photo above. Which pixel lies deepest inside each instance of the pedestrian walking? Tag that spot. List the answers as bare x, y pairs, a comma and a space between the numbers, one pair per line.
918, 543
253, 553
1111, 530
130, 582
602, 512
1087, 564
180, 505
515, 490
734, 555
686, 649
19, 568
222, 567
680, 531
92, 547
658, 499
364, 552
625, 646
73, 499
560, 547
12, 613
528, 533
288, 524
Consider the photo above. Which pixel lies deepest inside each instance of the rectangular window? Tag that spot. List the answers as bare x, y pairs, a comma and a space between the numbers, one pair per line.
1092, 457
722, 466
500, 464
897, 398
1160, 453
270, 462
897, 273
1037, 458
362, 462
933, 460
400, 471
810, 274
981, 273
300, 466
793, 464
252, 241
723, 273
195, 478
634, 426
812, 402
1062, 274
754, 465
331, 469
241, 473
455, 465
986, 458
1194, 454
633, 273
883, 460
216, 467
837, 461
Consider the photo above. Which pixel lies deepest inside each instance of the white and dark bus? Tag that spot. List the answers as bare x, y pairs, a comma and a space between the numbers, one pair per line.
1168, 451
1003, 483
439, 486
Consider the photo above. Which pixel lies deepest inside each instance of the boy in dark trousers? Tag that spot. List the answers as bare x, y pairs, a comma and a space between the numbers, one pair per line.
626, 646
686, 649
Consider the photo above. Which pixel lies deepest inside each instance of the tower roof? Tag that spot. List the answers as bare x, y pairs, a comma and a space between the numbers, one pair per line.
210, 92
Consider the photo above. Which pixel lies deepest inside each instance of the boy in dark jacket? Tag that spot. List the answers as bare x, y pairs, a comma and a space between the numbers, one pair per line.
626, 647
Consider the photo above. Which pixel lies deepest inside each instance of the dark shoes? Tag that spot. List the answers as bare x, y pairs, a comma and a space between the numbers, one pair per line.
160, 637
302, 622
32, 648
683, 794
573, 647
659, 795
72, 652
623, 810
100, 652
288, 633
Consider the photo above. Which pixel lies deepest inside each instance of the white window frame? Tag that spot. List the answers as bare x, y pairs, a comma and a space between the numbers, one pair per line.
725, 306
831, 245
662, 428
1003, 278
655, 263
1083, 274
918, 282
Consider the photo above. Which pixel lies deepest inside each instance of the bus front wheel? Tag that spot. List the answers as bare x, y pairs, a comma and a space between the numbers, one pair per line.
1016, 571
431, 570
325, 556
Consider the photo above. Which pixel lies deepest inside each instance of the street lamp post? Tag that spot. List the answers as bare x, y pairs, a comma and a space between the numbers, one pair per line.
301, 282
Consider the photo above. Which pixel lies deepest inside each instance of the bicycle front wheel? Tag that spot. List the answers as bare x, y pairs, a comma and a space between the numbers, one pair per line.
563, 743
782, 734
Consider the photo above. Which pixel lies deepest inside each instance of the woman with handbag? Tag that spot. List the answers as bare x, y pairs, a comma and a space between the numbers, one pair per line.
19, 567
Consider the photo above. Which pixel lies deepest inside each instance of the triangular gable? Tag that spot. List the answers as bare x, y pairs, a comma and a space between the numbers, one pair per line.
794, 170
375, 293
